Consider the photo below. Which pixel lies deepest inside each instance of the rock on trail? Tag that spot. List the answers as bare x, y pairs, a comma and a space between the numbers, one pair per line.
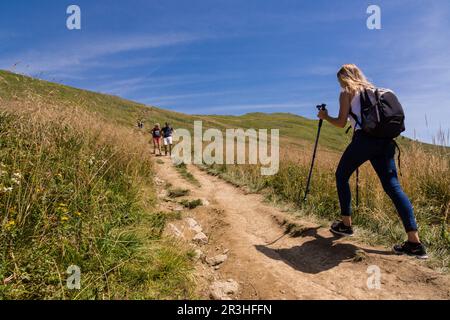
216, 260
200, 238
222, 290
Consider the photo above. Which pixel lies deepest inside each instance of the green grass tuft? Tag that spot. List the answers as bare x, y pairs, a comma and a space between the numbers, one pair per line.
191, 204
183, 171
178, 192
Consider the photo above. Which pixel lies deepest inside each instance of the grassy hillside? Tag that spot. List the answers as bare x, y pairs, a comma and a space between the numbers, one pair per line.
293, 128
295, 131
76, 190
426, 168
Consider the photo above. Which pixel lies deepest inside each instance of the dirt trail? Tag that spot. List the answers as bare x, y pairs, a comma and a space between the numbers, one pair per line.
306, 263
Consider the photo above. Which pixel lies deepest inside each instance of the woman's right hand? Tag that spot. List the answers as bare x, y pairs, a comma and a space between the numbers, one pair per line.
323, 114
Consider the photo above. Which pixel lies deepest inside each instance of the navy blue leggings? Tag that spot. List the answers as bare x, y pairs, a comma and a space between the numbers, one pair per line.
380, 153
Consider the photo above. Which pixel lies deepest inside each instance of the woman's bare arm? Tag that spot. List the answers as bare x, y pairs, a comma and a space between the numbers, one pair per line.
344, 110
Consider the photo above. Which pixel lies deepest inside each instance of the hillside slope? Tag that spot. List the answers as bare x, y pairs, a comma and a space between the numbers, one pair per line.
56, 139
77, 197
294, 129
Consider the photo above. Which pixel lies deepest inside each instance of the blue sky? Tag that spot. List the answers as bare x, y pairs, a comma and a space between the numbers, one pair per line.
237, 56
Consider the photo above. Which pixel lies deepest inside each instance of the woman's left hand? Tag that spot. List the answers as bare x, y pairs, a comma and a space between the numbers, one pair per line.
323, 114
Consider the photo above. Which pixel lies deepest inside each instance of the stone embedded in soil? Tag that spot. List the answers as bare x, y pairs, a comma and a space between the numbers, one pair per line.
193, 225
219, 259
221, 290
200, 238
175, 231
158, 181
205, 202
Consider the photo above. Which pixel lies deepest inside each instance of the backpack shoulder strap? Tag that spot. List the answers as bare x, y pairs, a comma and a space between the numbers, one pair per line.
365, 98
377, 95
353, 115
355, 118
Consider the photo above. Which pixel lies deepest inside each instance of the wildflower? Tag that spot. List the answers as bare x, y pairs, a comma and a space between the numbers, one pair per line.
17, 175
7, 189
64, 218
15, 181
78, 213
10, 224
62, 208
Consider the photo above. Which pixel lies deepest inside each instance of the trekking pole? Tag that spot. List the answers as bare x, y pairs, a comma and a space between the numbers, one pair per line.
319, 107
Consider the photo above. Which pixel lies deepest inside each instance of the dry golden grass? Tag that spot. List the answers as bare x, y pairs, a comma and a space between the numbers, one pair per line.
78, 190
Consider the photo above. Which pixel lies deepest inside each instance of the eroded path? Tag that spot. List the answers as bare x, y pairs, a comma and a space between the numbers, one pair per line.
308, 262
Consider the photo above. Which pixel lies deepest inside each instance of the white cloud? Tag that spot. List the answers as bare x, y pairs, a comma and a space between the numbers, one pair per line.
132, 85
79, 56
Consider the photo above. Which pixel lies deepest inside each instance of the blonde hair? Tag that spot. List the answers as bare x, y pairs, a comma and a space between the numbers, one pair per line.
353, 80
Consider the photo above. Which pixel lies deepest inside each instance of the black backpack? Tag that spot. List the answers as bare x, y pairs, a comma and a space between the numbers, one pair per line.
385, 118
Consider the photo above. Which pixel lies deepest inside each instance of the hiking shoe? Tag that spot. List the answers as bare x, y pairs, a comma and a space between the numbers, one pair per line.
411, 249
341, 229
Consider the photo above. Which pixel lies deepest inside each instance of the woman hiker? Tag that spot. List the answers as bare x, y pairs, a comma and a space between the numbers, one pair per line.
156, 135
379, 151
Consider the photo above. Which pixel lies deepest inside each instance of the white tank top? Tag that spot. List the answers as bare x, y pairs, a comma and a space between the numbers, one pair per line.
355, 106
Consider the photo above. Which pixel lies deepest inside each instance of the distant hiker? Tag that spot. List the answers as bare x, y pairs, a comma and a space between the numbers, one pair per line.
156, 135
140, 124
167, 138
368, 144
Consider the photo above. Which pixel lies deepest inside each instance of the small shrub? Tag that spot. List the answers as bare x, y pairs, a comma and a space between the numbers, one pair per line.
191, 204
178, 192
